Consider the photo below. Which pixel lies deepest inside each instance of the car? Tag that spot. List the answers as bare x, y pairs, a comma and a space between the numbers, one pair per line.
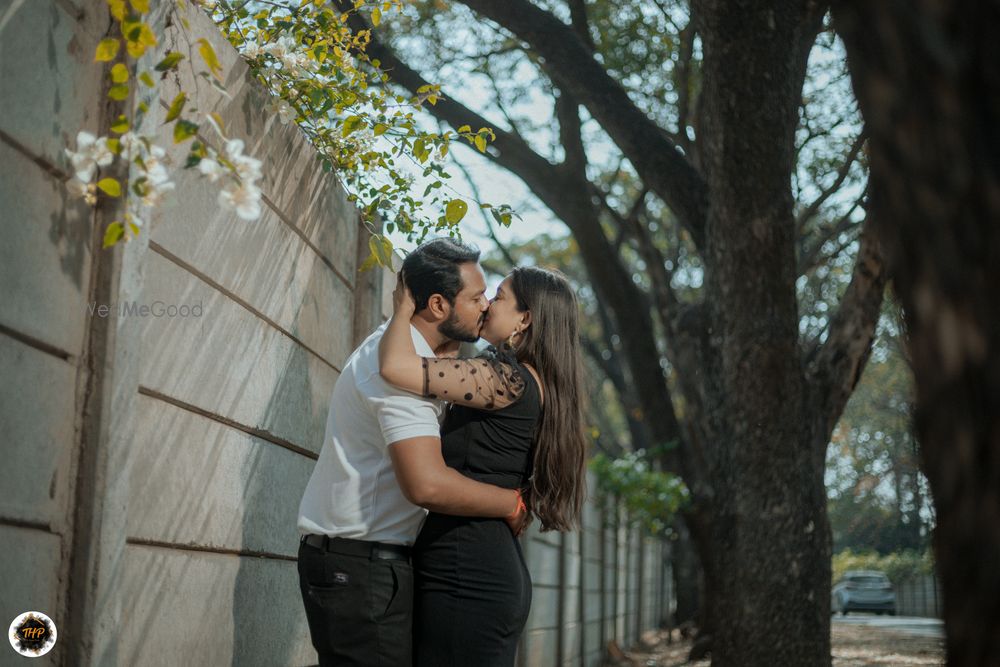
863, 590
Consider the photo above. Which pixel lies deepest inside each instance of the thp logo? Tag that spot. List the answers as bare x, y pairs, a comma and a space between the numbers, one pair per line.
32, 634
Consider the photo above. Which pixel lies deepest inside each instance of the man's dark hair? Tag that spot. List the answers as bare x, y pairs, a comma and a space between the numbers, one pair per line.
433, 268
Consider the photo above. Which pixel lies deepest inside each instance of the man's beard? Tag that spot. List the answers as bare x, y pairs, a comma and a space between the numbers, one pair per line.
453, 330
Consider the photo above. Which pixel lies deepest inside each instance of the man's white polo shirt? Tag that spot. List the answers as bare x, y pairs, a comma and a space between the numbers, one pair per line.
353, 490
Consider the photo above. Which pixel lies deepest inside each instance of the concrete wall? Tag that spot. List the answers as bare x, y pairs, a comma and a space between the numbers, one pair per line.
45, 269
605, 582
153, 465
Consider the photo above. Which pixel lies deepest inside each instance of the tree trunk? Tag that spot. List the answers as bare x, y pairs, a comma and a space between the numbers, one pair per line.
687, 575
927, 77
771, 540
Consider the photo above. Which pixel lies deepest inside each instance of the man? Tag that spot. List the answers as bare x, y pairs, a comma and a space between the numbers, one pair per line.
380, 462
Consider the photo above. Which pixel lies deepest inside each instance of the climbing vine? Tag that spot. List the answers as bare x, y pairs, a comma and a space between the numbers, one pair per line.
320, 77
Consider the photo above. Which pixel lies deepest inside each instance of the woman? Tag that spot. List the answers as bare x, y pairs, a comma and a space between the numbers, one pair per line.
516, 422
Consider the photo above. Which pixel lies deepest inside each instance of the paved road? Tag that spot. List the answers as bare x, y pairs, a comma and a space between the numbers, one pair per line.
921, 627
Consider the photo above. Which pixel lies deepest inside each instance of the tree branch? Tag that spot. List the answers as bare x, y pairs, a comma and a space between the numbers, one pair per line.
504, 250
809, 259
835, 366
656, 158
842, 174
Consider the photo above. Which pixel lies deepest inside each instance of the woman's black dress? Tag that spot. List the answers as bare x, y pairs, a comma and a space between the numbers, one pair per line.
473, 590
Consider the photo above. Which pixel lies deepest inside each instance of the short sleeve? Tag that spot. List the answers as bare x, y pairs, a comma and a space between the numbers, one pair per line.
401, 415
488, 382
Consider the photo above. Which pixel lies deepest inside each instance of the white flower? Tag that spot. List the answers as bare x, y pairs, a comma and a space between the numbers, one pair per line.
293, 63
131, 145
153, 196
134, 219
157, 173
234, 148
156, 166
211, 169
285, 112
247, 168
91, 153
252, 50
280, 48
244, 199
79, 188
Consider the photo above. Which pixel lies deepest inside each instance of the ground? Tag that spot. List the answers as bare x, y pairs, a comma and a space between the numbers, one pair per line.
854, 645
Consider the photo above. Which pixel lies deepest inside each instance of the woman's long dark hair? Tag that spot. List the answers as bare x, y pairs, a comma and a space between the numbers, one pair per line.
551, 344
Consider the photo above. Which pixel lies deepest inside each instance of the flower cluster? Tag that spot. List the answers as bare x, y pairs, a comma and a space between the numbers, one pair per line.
90, 154
150, 176
242, 195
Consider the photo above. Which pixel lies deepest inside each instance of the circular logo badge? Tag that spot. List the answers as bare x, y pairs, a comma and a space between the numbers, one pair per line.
32, 634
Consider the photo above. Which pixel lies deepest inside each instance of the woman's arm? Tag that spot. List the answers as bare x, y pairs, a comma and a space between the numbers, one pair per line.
398, 361
487, 384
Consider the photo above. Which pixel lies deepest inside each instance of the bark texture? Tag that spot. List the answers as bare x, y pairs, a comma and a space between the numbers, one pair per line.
927, 76
770, 531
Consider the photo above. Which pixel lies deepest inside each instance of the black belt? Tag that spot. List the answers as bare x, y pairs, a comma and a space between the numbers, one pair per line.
349, 547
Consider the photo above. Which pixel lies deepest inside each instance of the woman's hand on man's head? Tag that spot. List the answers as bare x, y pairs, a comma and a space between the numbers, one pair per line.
402, 299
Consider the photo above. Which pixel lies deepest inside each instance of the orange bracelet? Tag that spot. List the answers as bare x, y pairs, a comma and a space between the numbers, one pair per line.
519, 507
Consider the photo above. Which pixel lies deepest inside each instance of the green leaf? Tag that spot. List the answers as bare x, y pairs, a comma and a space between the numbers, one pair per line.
120, 125
118, 9
380, 129
369, 262
376, 17
176, 107
147, 79
381, 248
208, 55
119, 73
134, 227
455, 211
119, 92
114, 145
465, 128
110, 187
481, 143
113, 234
107, 50
141, 6
351, 124
184, 130
169, 61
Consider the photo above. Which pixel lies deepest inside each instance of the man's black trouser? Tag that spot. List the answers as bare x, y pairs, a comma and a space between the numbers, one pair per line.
359, 601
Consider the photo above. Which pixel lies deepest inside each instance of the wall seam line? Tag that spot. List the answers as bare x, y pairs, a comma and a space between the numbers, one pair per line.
12, 522
247, 553
166, 254
258, 433
36, 343
46, 166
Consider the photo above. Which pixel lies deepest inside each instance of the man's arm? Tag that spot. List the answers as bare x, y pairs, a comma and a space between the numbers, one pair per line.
426, 481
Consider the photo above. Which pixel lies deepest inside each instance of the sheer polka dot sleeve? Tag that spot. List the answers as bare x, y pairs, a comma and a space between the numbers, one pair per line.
487, 383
